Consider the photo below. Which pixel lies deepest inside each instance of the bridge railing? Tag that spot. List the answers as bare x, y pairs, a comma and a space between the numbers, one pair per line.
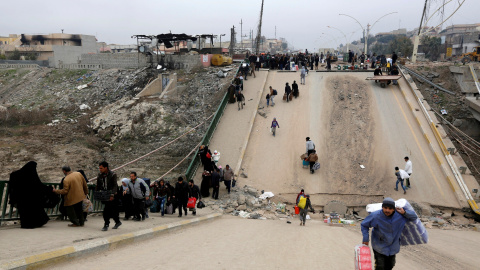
192, 168
9, 212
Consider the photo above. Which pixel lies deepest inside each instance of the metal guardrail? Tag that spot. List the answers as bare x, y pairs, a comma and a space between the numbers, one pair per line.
420, 77
9, 212
192, 168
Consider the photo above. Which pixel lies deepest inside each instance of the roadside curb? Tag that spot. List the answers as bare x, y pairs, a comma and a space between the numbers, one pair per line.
245, 143
76, 251
453, 184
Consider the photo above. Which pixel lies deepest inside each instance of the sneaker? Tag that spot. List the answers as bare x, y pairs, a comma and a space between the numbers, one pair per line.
117, 225
136, 219
396, 189
105, 228
179, 215
143, 218
404, 192
73, 225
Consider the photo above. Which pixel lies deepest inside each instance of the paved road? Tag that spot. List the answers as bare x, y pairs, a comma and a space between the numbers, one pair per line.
18, 243
385, 132
234, 127
235, 243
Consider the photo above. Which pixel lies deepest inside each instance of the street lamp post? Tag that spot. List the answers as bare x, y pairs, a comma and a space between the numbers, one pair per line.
346, 41
221, 48
367, 32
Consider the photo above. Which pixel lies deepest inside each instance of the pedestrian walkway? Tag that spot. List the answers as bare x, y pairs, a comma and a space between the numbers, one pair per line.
233, 131
25, 247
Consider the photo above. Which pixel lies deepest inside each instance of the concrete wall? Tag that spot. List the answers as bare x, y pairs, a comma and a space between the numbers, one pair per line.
64, 55
464, 79
183, 61
24, 62
158, 86
135, 60
115, 60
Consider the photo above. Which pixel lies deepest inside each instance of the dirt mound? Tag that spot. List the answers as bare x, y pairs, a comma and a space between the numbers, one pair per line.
350, 147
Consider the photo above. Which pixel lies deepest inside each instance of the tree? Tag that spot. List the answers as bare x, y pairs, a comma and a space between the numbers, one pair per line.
15, 55
379, 48
401, 44
432, 47
386, 39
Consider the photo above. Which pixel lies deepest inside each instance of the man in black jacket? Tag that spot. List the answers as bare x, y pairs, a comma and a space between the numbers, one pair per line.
394, 58
194, 191
288, 91
107, 180
181, 194
295, 89
215, 183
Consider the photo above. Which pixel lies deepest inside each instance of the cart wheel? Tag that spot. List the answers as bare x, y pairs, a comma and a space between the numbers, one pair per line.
383, 85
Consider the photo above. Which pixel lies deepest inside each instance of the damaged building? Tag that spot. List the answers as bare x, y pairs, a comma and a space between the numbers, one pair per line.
54, 49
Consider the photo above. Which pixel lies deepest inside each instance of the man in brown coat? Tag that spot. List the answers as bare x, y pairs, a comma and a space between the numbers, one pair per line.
312, 158
75, 190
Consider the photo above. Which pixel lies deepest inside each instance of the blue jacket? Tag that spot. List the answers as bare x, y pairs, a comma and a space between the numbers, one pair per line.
386, 230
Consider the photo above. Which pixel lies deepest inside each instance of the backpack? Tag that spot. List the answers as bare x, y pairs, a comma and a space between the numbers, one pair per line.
268, 96
275, 92
302, 202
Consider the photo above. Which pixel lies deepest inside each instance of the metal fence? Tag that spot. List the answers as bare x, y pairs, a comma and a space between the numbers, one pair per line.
192, 168
9, 212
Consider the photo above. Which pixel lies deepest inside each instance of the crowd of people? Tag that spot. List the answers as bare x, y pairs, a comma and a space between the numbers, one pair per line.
134, 196
286, 61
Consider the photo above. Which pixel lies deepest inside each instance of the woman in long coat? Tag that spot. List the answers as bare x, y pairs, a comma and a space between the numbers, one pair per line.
30, 196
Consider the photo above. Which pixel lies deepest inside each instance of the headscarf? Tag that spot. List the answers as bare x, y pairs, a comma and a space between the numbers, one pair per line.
126, 181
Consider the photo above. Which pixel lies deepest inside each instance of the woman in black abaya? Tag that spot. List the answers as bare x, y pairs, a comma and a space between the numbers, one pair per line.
29, 196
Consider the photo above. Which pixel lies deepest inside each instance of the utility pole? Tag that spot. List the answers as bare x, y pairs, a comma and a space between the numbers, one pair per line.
275, 32
241, 32
232, 40
259, 32
366, 39
417, 37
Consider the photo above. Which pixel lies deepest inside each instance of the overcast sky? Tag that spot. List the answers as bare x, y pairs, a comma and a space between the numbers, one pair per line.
301, 22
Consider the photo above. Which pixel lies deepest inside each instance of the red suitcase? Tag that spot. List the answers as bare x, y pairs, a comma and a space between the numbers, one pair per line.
191, 202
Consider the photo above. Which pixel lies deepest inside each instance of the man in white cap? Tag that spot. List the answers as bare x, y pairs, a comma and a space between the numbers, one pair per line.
387, 224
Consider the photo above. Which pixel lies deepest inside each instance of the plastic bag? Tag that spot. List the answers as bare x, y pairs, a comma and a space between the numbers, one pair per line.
87, 205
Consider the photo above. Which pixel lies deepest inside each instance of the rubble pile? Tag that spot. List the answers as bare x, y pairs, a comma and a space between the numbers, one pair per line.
64, 89
247, 202
97, 117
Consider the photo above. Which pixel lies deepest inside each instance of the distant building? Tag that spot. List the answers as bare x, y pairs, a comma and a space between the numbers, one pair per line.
57, 48
461, 38
402, 31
